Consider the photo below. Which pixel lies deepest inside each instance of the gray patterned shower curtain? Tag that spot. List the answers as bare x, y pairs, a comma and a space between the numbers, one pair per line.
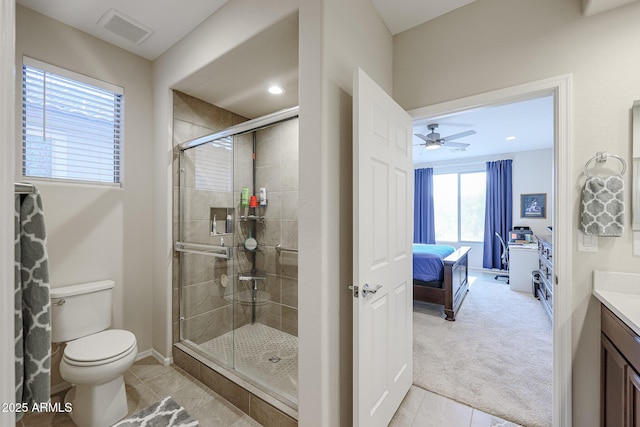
32, 304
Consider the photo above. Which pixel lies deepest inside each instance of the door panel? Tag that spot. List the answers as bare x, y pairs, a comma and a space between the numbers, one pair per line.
383, 228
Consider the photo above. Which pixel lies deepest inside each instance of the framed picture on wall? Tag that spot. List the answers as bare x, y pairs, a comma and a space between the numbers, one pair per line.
533, 205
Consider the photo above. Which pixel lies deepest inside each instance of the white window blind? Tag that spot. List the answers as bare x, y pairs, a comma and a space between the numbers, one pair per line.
71, 125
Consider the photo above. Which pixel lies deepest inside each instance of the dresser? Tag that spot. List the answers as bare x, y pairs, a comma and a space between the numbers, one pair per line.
544, 286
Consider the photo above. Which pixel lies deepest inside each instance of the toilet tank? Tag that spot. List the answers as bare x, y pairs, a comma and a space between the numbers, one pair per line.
80, 310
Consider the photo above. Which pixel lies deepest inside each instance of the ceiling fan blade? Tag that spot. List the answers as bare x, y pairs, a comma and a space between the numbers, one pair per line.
422, 137
459, 135
455, 144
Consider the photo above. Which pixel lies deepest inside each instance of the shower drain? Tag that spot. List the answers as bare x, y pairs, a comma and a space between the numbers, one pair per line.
275, 359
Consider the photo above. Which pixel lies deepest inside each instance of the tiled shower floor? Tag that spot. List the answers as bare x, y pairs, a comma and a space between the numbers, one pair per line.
264, 354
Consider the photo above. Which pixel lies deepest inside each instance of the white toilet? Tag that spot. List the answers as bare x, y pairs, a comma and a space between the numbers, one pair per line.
95, 358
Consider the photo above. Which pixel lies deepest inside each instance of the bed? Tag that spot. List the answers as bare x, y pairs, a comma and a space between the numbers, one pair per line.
440, 276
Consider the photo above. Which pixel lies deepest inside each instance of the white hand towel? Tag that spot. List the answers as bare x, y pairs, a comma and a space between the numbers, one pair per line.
603, 206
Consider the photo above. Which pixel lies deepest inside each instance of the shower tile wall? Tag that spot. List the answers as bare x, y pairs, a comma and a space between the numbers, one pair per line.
208, 313
277, 171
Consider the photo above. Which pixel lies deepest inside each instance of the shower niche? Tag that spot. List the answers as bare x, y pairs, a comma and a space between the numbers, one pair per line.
221, 221
236, 265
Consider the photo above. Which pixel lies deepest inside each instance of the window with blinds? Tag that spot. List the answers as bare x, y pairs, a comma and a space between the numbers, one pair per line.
71, 125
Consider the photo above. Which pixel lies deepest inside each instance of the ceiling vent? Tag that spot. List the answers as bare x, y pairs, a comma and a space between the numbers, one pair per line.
124, 26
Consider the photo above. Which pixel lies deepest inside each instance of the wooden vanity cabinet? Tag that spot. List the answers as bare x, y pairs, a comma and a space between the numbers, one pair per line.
620, 364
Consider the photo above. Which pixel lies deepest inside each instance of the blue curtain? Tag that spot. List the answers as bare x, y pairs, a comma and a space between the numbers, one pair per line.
498, 211
423, 225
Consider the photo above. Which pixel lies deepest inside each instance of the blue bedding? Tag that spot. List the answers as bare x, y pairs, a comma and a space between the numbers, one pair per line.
427, 261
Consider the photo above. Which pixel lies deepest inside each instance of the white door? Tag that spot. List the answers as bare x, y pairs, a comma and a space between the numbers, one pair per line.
382, 236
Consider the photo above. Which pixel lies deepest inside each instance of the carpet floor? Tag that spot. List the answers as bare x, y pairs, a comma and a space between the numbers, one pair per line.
496, 356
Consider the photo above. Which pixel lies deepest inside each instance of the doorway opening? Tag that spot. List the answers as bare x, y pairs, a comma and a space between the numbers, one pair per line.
558, 89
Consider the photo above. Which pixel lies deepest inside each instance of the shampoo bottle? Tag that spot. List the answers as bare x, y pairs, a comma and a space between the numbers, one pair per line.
263, 196
229, 224
244, 197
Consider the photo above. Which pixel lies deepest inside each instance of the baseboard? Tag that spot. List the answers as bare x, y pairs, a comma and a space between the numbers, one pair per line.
160, 358
153, 353
141, 355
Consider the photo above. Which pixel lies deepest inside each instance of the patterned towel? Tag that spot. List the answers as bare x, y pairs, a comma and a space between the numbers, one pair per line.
32, 304
166, 413
603, 206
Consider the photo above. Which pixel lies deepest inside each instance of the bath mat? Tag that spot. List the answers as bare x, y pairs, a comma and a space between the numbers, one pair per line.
166, 413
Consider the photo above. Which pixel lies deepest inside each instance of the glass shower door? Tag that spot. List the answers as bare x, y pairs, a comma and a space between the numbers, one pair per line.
206, 246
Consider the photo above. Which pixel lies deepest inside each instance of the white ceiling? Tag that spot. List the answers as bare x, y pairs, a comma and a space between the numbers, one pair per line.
171, 20
272, 57
243, 74
531, 122
400, 15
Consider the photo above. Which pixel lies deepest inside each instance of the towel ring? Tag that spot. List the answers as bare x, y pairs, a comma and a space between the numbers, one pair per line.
601, 157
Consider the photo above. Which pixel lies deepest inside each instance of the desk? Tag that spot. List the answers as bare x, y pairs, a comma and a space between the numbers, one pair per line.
523, 259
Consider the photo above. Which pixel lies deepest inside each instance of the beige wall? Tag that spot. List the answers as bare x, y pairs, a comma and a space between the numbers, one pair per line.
336, 37
98, 232
492, 44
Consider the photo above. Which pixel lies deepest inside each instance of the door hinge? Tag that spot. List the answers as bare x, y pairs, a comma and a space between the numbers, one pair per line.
355, 290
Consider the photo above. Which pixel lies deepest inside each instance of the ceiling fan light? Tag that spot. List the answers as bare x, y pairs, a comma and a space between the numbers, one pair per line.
433, 146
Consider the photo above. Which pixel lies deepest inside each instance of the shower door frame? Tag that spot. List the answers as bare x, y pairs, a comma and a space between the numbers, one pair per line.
242, 128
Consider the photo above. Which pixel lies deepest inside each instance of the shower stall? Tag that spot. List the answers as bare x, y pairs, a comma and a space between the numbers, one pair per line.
236, 246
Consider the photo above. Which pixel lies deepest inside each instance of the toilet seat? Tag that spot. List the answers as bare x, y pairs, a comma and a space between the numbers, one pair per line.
101, 348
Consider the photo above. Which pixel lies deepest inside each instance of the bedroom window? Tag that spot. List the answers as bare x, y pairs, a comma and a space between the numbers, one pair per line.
71, 125
459, 200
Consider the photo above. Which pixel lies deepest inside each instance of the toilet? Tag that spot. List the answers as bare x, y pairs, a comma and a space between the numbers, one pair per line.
95, 357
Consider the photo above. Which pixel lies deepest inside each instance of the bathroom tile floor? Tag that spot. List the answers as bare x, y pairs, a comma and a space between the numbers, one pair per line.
422, 408
147, 382
419, 408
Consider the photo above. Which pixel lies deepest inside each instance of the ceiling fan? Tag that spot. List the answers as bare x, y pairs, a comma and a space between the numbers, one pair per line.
433, 140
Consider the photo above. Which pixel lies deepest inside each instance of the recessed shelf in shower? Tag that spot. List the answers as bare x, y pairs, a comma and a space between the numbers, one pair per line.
218, 219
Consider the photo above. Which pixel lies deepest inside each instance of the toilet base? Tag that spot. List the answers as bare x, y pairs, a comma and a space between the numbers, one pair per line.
98, 405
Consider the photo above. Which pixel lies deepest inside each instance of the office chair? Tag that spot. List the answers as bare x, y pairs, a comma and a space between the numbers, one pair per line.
505, 259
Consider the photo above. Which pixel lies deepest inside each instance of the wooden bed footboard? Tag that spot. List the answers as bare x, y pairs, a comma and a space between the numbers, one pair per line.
455, 286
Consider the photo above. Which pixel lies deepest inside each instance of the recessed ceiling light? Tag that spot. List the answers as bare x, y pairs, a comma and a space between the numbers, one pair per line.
510, 138
275, 90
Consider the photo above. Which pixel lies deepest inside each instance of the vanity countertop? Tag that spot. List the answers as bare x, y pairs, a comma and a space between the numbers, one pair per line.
620, 293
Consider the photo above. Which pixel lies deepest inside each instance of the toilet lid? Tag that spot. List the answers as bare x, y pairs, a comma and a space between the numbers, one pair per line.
101, 346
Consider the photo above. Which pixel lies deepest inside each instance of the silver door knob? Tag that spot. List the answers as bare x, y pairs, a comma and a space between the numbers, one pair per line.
366, 290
